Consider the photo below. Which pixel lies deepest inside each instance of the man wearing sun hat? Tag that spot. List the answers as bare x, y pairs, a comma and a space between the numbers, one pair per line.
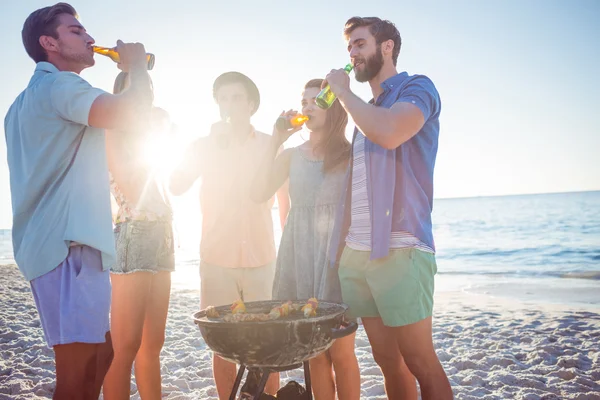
237, 248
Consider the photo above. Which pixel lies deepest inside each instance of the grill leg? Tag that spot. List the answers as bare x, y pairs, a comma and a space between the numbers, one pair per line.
261, 385
238, 379
307, 380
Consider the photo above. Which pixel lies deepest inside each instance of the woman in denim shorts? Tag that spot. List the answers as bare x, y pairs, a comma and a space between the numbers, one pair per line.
141, 276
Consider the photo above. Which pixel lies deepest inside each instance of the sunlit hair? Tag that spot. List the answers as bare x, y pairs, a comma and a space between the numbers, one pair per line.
336, 147
121, 82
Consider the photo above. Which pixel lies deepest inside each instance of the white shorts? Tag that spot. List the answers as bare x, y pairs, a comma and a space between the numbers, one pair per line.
221, 286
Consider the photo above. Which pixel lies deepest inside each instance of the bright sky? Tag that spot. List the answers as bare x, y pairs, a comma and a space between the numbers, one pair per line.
519, 81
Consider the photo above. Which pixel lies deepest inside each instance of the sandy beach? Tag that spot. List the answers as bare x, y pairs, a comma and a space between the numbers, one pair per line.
490, 349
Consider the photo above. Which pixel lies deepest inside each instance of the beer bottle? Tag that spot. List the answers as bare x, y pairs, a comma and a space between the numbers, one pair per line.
283, 123
326, 97
113, 55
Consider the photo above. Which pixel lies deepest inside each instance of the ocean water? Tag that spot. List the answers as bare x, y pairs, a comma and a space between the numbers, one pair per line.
532, 247
539, 247
533, 236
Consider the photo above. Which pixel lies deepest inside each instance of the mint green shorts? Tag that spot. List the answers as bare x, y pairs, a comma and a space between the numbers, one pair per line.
398, 288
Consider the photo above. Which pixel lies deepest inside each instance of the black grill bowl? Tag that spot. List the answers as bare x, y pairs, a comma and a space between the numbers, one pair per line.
277, 343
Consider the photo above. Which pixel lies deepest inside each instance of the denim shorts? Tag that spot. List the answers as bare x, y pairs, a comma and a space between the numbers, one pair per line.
73, 299
144, 246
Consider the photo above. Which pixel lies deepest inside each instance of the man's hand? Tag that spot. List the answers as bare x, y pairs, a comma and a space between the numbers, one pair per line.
221, 128
338, 81
131, 55
119, 112
223, 133
190, 167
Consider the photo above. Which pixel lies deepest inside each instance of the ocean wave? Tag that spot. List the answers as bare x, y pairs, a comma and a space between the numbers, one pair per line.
589, 275
594, 254
457, 253
542, 251
593, 275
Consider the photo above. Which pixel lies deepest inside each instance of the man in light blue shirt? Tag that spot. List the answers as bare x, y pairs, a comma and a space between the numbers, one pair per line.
62, 232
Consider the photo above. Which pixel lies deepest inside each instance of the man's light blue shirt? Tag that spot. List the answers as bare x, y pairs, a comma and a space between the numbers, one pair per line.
58, 172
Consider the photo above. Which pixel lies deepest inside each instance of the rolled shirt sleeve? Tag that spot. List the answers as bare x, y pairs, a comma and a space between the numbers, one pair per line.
72, 97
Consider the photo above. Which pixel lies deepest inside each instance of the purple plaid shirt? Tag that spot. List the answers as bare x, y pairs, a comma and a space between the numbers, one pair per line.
399, 181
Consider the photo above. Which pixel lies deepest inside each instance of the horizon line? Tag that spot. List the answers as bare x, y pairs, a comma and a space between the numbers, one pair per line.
487, 196
516, 194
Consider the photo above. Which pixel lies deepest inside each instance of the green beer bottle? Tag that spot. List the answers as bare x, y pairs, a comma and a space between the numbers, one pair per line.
326, 97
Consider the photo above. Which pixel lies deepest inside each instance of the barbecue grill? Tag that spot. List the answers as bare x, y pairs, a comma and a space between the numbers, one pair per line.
276, 345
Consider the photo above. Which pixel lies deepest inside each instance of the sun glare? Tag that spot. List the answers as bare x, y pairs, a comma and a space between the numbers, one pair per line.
163, 152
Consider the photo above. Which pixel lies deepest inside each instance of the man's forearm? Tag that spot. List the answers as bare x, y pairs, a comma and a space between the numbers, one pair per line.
139, 95
374, 122
180, 181
189, 169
